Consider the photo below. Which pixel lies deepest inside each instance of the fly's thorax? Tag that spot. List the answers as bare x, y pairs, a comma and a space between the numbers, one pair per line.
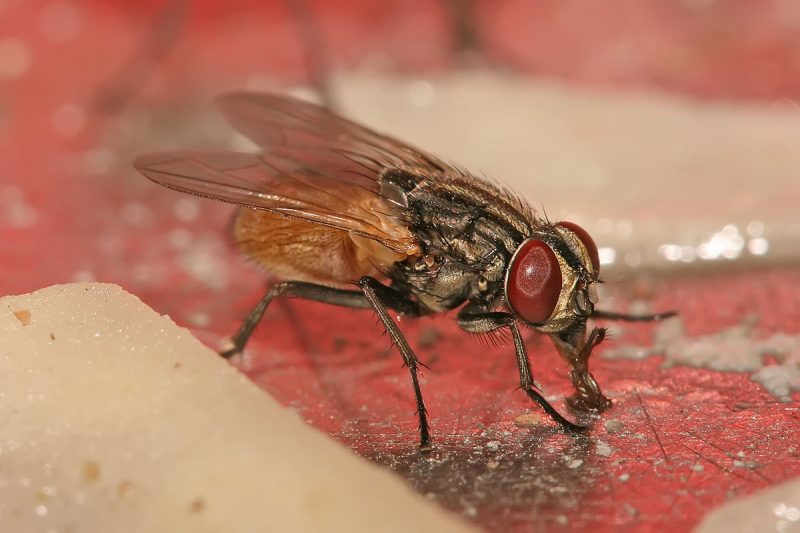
436, 282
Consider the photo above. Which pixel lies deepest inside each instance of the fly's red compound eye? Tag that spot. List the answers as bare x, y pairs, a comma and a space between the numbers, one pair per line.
533, 284
587, 241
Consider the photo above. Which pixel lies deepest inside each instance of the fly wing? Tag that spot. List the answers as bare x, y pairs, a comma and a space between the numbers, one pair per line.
315, 166
282, 124
284, 186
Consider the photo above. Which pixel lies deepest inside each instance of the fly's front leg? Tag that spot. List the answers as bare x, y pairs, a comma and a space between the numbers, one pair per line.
380, 297
481, 321
575, 347
299, 289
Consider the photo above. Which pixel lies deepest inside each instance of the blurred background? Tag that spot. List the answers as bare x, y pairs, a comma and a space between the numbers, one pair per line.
668, 129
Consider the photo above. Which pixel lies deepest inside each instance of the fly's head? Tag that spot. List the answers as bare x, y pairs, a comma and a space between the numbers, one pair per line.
550, 279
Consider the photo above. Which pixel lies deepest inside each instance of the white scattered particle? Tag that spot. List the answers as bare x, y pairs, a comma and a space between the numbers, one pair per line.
204, 260
670, 252
493, 445
69, 120
624, 477
14, 210
421, 93
575, 463
755, 228
624, 228
613, 425
697, 467
790, 513
758, 246
631, 352
633, 259
186, 209
603, 448
143, 272
562, 519
736, 349
135, 214
15, 58
59, 22
41, 510
726, 243
98, 160
607, 255
180, 238
604, 225
83, 276
199, 320
688, 254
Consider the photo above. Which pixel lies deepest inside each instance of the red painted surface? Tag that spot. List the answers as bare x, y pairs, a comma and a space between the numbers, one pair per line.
72, 209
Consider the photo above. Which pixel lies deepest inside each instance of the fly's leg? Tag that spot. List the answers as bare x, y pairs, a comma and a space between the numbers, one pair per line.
379, 297
298, 289
473, 321
373, 295
588, 396
612, 315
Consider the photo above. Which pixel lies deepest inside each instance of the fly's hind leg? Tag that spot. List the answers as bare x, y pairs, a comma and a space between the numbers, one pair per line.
373, 295
380, 297
297, 289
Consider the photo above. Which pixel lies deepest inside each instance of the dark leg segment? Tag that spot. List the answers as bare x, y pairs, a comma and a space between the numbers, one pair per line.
485, 322
380, 296
612, 315
299, 289
576, 349
373, 295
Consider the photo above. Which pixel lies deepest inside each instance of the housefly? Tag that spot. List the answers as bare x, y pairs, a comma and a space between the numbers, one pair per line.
351, 217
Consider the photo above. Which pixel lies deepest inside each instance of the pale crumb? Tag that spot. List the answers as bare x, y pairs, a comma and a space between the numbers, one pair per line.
24, 317
528, 420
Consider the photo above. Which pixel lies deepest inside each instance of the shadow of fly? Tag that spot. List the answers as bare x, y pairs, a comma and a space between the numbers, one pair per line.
351, 217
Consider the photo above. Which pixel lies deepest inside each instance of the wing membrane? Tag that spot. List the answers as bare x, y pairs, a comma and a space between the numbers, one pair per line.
272, 183
314, 166
283, 124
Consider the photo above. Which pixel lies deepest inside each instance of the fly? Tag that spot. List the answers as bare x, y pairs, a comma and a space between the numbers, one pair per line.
328, 205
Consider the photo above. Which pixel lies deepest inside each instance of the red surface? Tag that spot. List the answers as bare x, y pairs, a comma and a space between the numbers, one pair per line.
72, 209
